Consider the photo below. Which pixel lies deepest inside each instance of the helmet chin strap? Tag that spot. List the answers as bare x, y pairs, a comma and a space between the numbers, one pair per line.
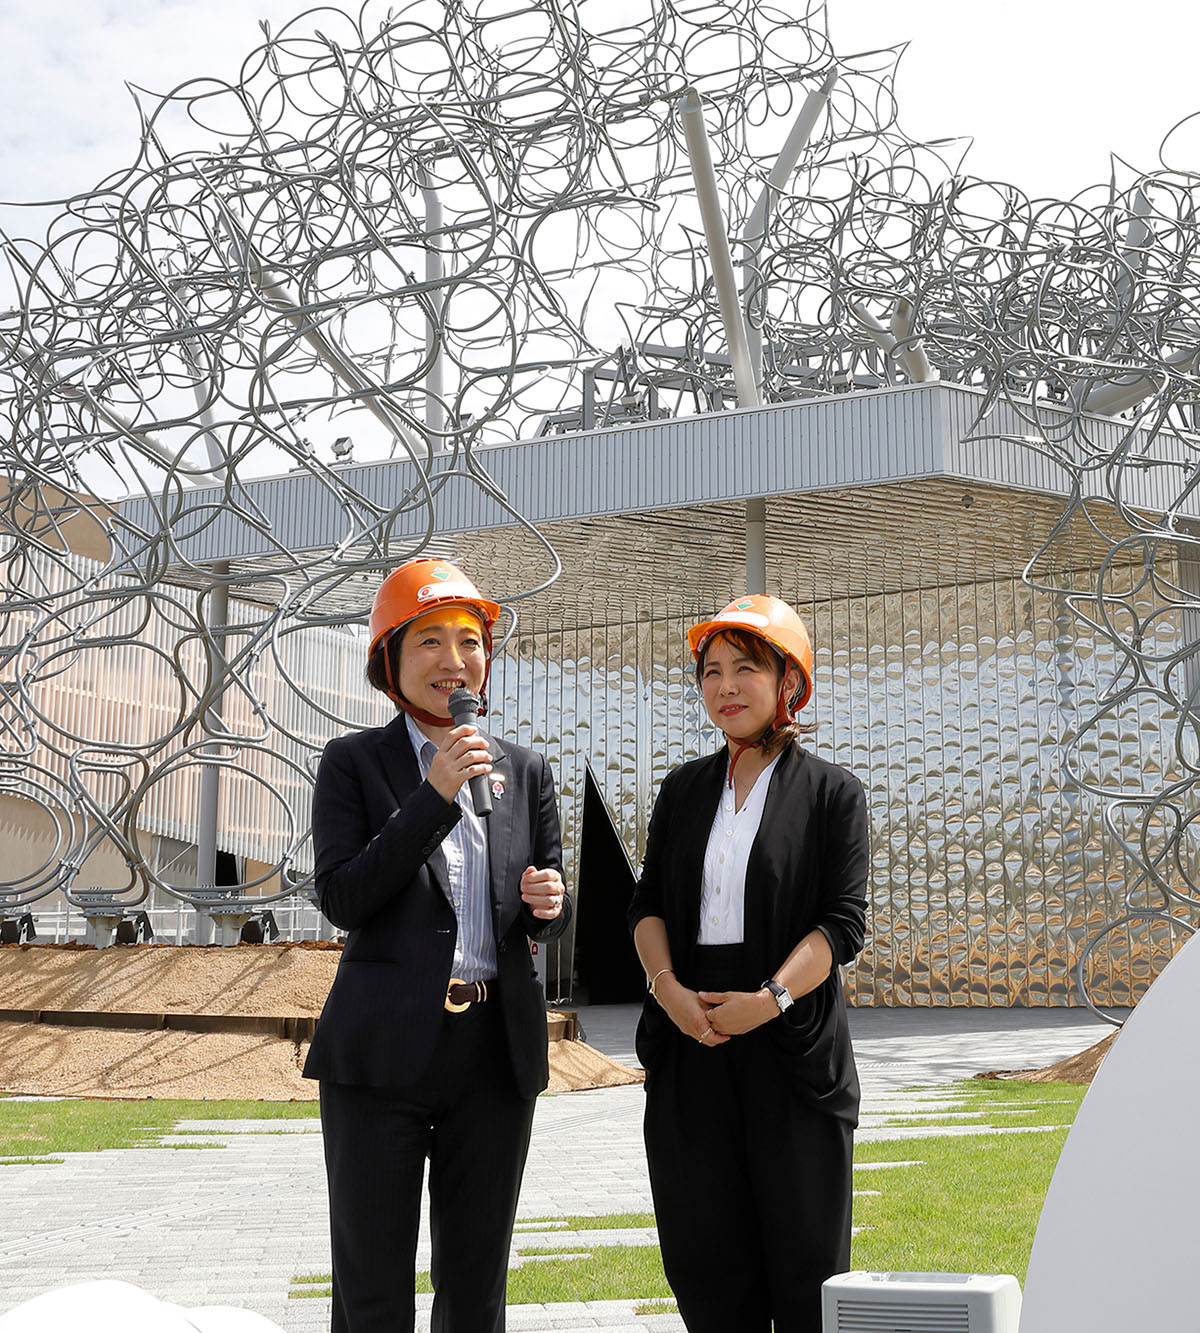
429, 719
782, 715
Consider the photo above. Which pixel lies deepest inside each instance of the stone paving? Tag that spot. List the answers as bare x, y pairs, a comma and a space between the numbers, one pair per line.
237, 1225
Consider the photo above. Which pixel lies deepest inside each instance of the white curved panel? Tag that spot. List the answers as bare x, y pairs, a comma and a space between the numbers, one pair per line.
1116, 1245
111, 1306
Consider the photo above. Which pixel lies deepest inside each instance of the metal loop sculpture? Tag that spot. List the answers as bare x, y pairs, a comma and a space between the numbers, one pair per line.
422, 229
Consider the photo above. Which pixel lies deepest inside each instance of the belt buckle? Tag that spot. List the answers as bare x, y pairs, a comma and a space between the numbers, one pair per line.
449, 1005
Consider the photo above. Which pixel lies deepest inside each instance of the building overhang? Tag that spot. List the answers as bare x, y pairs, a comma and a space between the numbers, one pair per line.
872, 491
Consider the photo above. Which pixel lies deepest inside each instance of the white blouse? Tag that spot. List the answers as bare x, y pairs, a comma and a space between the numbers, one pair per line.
723, 885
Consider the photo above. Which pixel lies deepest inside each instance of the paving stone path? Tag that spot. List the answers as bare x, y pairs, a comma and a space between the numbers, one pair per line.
236, 1226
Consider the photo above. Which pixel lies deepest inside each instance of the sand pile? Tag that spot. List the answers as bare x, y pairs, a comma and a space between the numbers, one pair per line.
575, 1066
146, 984
1079, 1068
100, 1062
266, 980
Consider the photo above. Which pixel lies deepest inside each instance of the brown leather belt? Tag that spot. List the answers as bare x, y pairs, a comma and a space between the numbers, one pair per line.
462, 995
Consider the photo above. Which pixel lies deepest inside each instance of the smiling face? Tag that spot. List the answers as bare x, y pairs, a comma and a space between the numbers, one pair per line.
741, 687
440, 652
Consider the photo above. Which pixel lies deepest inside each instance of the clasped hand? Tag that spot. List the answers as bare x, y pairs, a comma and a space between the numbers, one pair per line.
712, 1017
734, 1012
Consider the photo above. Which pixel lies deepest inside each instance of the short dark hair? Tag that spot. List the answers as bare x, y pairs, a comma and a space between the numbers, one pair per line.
757, 649
376, 667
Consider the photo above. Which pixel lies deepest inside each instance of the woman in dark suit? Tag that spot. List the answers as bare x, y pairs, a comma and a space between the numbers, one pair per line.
752, 894
432, 1042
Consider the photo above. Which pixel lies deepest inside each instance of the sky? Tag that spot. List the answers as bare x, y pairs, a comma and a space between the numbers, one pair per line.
1047, 88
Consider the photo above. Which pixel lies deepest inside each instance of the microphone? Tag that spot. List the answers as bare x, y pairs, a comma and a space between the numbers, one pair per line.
464, 710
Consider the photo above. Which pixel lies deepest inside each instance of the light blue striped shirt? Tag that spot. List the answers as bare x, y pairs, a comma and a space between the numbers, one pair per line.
466, 850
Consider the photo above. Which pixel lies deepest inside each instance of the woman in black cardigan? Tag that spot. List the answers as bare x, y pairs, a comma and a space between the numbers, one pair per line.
753, 893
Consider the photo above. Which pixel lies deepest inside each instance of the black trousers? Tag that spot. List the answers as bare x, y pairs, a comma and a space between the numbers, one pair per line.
752, 1187
467, 1117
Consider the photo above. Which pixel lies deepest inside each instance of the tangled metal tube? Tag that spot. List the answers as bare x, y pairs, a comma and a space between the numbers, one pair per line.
423, 228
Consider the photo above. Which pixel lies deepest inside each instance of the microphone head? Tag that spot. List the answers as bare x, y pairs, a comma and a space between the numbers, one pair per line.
463, 706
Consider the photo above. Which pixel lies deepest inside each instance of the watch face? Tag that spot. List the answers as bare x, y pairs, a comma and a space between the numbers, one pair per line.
782, 997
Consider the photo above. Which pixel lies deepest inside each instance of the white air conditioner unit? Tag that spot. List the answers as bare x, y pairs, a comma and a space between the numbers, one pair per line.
920, 1303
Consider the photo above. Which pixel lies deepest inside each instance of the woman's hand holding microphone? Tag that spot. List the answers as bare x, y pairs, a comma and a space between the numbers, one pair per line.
462, 755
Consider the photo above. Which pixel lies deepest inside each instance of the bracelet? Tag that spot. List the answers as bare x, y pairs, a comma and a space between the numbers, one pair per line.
655, 977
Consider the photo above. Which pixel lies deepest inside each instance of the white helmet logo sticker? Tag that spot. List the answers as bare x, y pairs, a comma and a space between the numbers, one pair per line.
744, 618
447, 591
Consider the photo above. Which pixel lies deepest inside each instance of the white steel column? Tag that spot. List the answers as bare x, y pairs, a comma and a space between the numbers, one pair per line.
210, 773
732, 315
435, 413
759, 221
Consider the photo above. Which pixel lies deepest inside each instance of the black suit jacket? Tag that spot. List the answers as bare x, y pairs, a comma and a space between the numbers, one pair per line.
381, 876
807, 870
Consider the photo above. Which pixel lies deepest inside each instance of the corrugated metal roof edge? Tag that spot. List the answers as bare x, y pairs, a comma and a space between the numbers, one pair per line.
541, 493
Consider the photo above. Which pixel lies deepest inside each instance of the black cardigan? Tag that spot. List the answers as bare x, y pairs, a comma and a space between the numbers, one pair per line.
807, 870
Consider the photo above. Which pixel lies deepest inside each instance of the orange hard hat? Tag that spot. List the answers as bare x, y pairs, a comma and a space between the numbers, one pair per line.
418, 586
770, 619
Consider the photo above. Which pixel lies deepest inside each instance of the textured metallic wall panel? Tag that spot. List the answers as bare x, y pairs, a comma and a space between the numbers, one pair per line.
988, 868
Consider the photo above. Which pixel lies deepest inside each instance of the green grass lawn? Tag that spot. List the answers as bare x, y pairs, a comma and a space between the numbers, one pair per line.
970, 1206
42, 1131
973, 1204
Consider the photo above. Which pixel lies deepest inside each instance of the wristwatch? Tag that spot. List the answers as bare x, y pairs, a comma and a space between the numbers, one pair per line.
782, 998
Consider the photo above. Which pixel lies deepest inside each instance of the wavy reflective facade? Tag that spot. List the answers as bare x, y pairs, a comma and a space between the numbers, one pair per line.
953, 705
956, 706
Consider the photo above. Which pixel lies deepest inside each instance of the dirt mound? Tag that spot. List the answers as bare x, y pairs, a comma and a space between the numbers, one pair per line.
575, 1066
285, 981
44, 1061
1079, 1068
261, 980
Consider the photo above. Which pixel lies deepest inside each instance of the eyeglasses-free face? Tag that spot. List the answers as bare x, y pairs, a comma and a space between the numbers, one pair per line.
740, 694
439, 653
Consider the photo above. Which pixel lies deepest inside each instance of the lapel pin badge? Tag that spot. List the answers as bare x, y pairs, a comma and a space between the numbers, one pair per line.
497, 788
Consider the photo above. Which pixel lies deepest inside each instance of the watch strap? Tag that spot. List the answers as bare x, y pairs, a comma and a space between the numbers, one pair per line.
782, 997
